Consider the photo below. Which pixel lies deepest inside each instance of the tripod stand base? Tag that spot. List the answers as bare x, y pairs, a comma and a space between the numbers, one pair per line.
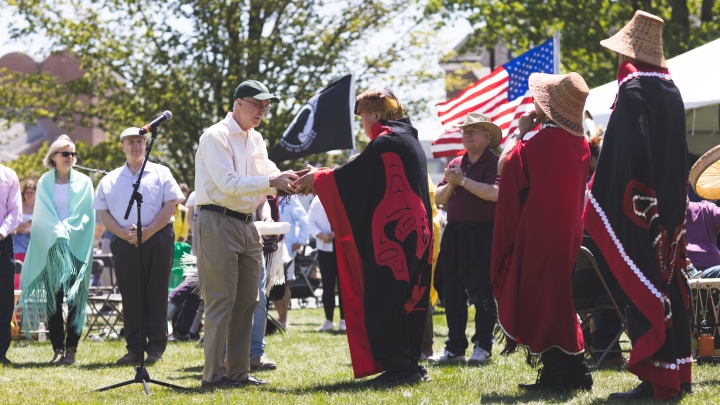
141, 377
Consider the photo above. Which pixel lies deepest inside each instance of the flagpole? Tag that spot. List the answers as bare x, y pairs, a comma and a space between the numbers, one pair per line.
352, 112
556, 52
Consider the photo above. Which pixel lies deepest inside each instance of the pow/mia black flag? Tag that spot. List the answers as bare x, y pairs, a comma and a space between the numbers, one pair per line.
324, 123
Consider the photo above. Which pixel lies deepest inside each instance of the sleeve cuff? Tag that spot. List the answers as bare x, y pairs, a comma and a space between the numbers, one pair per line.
99, 205
263, 184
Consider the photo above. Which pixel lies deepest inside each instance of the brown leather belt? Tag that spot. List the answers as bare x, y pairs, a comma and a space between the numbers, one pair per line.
228, 212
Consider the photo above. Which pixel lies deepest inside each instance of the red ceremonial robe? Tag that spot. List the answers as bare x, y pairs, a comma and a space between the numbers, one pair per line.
538, 233
379, 208
635, 213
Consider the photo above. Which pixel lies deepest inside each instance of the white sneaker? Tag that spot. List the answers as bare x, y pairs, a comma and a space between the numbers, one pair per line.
342, 325
479, 356
446, 357
328, 325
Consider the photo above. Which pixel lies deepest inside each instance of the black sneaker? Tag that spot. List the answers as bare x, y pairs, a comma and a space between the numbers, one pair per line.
5, 361
153, 358
250, 380
222, 383
423, 373
389, 379
177, 337
547, 378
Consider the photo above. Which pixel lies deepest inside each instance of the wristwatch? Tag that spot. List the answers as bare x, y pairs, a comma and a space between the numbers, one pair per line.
464, 180
517, 135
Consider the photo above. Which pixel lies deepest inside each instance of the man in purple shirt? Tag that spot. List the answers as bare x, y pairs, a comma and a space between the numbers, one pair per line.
469, 191
10, 219
701, 228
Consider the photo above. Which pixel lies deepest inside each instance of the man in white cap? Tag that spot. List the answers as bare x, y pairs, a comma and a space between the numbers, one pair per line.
161, 194
636, 210
538, 232
469, 191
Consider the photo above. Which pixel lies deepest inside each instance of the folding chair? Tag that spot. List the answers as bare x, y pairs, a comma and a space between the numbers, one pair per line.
586, 262
97, 268
105, 310
304, 286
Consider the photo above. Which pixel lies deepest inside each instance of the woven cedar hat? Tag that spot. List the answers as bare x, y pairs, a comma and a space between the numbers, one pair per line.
562, 99
381, 101
640, 39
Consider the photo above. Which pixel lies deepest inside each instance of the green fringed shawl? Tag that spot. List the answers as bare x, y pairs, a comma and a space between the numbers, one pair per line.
59, 254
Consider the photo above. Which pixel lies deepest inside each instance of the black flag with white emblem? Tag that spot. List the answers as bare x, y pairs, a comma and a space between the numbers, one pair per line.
324, 123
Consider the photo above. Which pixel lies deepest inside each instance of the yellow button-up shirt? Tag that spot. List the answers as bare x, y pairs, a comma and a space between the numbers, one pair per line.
232, 168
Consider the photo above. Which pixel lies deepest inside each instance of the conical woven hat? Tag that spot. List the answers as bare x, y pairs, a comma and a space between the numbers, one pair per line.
640, 39
562, 99
705, 175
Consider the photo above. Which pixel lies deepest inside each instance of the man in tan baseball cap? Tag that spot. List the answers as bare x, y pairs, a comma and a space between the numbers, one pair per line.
469, 191
635, 210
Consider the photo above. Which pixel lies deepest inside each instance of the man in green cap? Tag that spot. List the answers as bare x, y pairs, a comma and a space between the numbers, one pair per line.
232, 175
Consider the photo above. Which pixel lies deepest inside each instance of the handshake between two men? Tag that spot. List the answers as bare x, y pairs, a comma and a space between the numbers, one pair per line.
292, 182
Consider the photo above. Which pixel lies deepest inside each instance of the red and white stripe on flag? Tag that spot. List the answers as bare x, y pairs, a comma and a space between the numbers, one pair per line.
488, 96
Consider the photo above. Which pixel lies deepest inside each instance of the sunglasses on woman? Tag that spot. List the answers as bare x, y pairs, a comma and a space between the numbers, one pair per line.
68, 154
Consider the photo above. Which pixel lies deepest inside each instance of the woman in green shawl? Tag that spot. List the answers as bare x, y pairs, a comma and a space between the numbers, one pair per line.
59, 257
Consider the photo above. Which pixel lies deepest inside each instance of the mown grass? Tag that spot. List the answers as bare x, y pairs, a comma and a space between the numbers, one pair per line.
313, 368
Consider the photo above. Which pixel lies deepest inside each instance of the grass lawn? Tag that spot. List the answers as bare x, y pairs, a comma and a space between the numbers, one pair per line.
313, 367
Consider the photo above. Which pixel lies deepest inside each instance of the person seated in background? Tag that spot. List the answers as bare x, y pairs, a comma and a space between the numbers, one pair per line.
588, 292
22, 237
181, 224
701, 228
183, 304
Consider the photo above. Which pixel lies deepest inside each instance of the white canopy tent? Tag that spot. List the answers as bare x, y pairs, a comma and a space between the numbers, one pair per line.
696, 75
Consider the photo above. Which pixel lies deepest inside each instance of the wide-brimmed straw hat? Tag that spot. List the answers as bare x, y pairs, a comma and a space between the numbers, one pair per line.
640, 39
484, 121
562, 99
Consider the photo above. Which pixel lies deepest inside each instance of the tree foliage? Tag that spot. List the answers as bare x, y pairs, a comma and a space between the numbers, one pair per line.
105, 156
582, 24
144, 56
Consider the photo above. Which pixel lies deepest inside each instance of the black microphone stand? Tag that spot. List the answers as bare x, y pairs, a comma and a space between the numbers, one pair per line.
141, 374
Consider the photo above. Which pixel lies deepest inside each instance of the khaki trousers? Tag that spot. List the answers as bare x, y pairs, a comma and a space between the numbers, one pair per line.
229, 252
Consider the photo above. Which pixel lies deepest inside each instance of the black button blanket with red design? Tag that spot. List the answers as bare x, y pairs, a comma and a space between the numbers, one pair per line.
379, 208
636, 214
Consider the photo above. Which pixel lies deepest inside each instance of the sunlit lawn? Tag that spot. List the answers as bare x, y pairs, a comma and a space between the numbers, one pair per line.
313, 367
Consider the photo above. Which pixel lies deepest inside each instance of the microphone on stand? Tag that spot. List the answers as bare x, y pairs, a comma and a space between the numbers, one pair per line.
165, 116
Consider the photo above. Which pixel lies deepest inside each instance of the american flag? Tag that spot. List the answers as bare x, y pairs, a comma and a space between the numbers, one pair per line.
503, 95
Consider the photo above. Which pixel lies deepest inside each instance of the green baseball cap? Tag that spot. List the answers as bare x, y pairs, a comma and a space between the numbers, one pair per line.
255, 89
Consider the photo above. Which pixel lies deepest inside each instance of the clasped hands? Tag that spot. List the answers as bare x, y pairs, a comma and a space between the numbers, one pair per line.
289, 183
454, 175
326, 237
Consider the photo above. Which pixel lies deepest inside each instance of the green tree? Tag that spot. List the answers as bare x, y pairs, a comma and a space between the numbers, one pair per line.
582, 24
142, 57
105, 156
